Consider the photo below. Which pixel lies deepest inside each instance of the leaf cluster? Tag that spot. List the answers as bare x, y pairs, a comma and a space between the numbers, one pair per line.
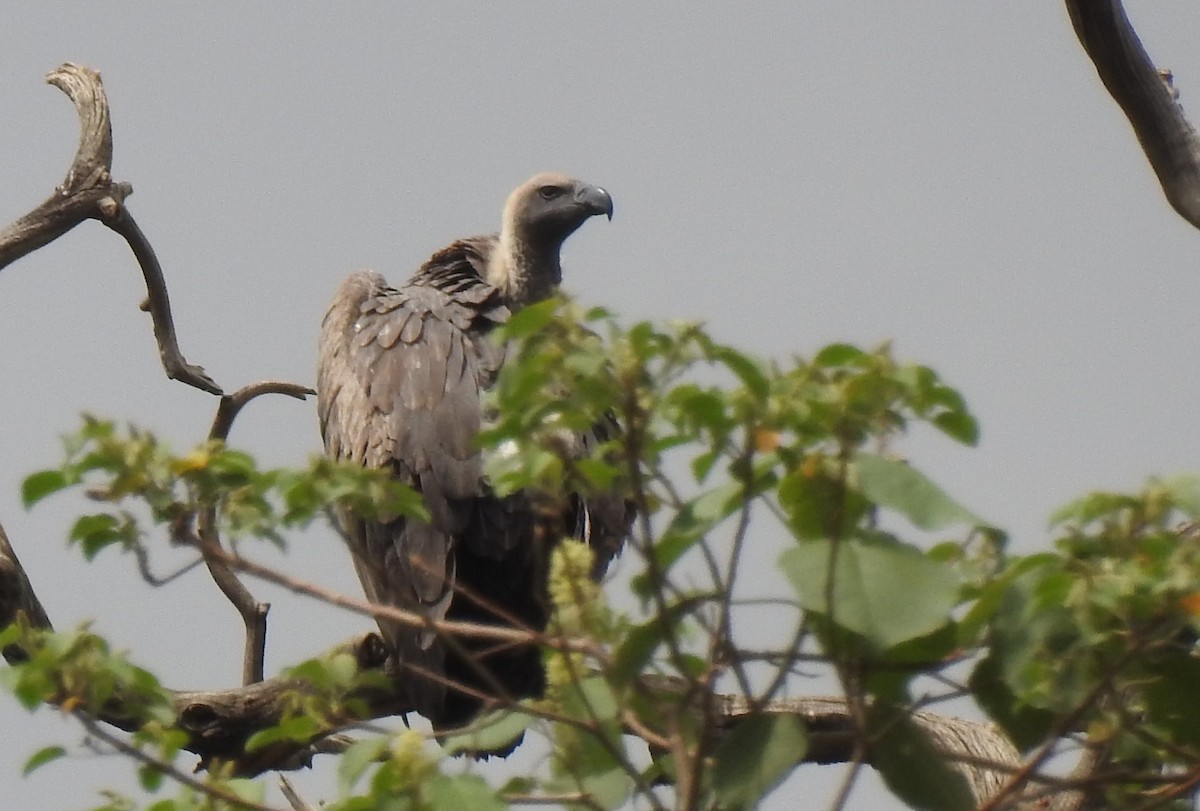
886, 580
1097, 640
131, 469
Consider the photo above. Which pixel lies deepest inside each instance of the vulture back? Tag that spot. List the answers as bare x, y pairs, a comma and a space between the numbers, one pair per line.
399, 383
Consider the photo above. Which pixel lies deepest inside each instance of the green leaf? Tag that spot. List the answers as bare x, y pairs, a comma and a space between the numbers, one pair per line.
342, 668
464, 791
988, 601
818, 505
608, 789
1084, 510
635, 650
1026, 726
691, 523
314, 671
235, 463
41, 757
912, 766
355, 760
584, 762
748, 369
1171, 696
1184, 489
958, 425
839, 355
756, 756
702, 406
298, 728
531, 319
928, 649
519, 784
150, 778
591, 699
246, 789
886, 591
42, 484
10, 635
494, 732
893, 484
95, 532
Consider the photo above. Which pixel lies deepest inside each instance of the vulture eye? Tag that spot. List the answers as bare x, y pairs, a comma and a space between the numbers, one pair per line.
550, 192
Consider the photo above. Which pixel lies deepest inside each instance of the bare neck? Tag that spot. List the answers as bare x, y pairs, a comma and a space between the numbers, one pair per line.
522, 273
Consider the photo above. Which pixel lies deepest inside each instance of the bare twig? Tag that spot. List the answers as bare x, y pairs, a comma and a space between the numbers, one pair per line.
215, 792
143, 563
849, 779
252, 612
117, 217
231, 404
89, 192
571, 798
392, 613
292, 796
1186, 783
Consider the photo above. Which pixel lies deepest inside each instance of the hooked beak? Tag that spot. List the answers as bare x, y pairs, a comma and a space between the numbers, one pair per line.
594, 200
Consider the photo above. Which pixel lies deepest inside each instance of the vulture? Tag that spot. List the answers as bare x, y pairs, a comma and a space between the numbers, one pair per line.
400, 382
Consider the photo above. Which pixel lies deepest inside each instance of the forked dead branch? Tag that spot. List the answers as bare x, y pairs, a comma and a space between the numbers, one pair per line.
89, 192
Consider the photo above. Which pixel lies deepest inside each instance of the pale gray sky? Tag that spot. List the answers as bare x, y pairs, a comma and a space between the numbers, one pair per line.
947, 175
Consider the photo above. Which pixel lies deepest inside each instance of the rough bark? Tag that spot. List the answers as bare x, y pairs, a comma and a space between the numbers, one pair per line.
1146, 96
89, 192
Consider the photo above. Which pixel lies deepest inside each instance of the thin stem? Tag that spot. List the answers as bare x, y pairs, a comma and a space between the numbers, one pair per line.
167, 769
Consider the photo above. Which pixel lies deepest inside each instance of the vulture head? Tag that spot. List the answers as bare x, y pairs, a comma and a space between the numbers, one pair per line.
538, 216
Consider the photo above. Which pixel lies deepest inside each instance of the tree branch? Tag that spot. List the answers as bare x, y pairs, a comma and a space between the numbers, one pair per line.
215, 792
1146, 97
89, 192
232, 404
118, 218
253, 612
292, 796
218, 722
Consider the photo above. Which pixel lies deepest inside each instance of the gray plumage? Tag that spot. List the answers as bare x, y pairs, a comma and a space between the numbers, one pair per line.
400, 377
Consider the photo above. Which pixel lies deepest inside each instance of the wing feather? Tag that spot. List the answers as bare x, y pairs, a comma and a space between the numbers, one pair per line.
399, 387
399, 381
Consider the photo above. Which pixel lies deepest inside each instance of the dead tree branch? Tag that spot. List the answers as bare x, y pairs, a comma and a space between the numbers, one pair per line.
253, 612
292, 796
90, 193
1146, 97
231, 404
